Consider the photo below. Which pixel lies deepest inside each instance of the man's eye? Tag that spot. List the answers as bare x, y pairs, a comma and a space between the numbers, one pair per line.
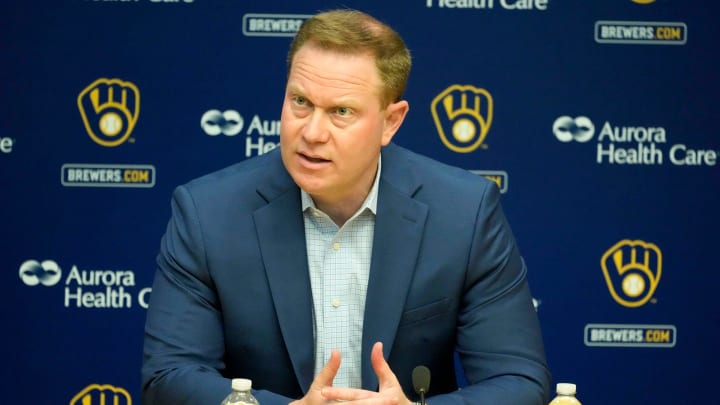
300, 100
343, 111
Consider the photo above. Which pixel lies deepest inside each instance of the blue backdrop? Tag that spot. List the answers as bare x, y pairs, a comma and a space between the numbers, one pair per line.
594, 117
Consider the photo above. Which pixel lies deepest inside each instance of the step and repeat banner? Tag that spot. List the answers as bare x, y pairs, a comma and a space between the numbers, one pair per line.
595, 118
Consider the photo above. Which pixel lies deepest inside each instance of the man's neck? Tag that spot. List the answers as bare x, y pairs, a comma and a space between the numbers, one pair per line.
340, 208
340, 212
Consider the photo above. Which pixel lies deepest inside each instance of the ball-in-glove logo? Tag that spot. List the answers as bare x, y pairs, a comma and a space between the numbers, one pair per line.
632, 271
109, 109
462, 115
96, 394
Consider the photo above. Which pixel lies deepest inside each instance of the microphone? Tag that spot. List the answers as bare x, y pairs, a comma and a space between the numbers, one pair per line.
421, 381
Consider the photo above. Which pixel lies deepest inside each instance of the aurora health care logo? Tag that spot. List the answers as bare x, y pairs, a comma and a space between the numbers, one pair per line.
216, 122
260, 135
47, 273
84, 288
579, 129
633, 144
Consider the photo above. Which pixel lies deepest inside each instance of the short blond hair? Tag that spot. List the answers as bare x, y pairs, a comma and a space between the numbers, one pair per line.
354, 32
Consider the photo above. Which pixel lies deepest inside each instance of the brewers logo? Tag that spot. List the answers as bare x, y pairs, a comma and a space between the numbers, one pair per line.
629, 335
96, 394
109, 109
272, 25
632, 270
641, 32
499, 177
107, 175
463, 115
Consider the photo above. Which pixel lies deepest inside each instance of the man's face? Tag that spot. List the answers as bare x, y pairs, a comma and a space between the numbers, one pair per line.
333, 124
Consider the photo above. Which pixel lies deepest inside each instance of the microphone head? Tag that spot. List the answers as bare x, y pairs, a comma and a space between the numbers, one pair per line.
421, 379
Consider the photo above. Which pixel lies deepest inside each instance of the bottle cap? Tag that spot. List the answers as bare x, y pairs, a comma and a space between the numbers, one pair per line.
241, 384
565, 389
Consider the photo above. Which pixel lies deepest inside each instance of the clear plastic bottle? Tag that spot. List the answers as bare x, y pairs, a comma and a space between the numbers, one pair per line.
240, 394
565, 395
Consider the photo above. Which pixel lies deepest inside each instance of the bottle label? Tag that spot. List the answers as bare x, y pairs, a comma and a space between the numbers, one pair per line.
565, 400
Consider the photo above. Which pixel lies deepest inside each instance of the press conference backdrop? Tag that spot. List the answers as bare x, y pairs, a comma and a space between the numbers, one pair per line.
597, 119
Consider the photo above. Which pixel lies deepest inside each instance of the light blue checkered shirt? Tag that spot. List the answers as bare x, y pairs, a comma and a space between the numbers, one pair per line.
339, 263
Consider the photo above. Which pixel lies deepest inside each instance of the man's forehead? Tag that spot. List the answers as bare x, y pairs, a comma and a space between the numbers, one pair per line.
345, 77
316, 49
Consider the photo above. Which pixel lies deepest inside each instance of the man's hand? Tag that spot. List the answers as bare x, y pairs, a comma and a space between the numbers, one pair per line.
389, 393
324, 379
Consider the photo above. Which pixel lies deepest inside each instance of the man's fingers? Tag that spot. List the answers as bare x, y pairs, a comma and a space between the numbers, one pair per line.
385, 375
346, 394
358, 396
326, 376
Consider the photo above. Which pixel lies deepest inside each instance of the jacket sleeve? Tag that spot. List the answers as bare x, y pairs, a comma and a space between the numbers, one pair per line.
499, 341
184, 341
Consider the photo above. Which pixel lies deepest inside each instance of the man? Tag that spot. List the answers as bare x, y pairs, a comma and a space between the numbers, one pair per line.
329, 269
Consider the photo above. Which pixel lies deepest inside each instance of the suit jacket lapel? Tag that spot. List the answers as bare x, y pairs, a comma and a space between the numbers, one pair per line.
280, 231
398, 232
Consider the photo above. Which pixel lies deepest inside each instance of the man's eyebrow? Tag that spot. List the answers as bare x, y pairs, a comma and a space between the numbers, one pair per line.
350, 101
291, 88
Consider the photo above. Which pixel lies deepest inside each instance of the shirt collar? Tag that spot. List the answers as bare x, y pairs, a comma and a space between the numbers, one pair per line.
369, 203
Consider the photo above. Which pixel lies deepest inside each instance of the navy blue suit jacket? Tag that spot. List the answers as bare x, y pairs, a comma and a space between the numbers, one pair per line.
232, 295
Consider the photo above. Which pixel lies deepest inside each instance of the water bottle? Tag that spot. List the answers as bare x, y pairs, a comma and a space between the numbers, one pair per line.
565, 395
240, 394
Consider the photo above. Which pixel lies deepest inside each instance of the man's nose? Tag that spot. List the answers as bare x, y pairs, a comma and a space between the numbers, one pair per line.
317, 128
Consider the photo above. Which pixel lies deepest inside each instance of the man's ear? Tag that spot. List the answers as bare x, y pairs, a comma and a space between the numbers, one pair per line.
394, 116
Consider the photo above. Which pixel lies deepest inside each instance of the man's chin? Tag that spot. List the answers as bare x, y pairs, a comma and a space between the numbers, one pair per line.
312, 184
